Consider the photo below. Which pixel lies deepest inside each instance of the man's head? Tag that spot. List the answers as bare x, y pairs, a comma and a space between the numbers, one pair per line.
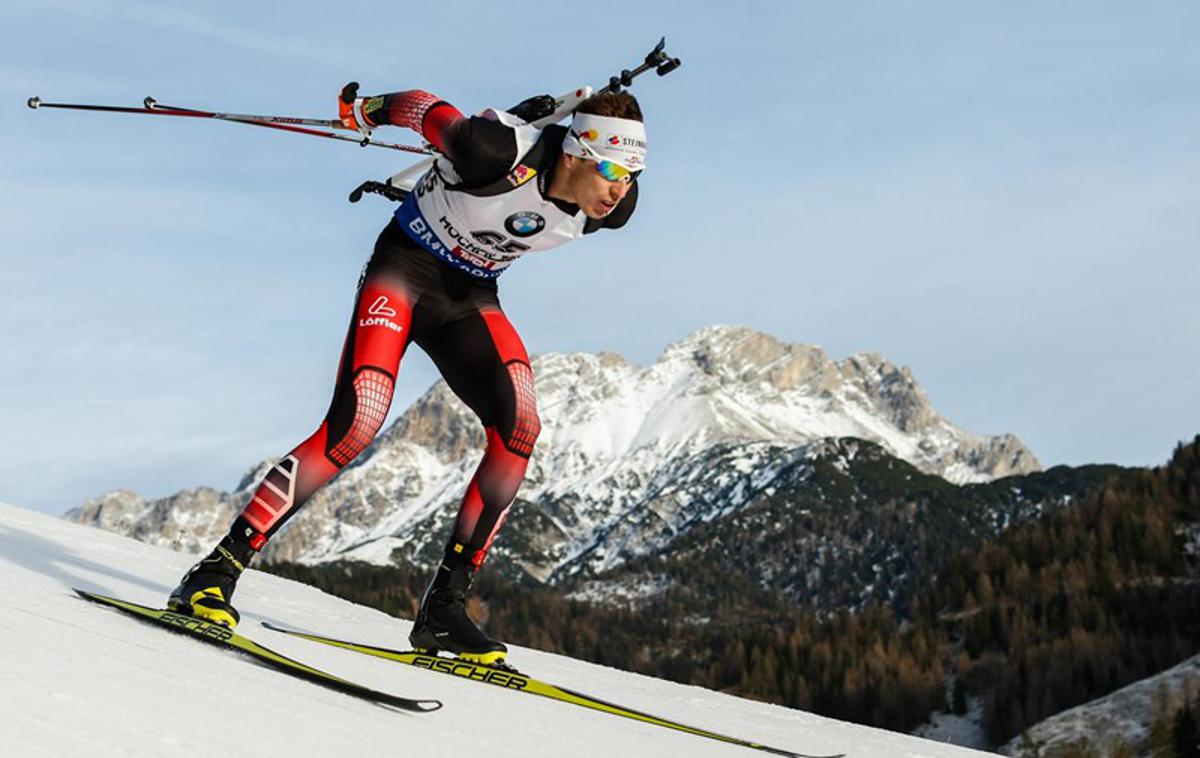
603, 151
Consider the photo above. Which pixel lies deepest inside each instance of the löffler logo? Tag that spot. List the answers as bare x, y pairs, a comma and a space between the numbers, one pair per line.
381, 314
380, 307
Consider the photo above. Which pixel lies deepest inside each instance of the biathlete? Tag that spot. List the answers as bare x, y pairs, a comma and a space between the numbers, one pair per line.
500, 188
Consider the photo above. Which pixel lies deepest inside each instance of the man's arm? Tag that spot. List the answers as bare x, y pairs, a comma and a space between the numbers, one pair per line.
424, 113
481, 149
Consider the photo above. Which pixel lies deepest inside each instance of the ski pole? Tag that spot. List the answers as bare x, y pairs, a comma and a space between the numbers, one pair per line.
328, 123
36, 103
242, 118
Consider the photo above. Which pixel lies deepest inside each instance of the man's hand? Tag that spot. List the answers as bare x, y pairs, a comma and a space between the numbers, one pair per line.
351, 110
416, 109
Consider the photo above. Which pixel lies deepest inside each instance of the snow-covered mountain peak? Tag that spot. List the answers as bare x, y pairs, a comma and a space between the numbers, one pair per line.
738, 354
731, 383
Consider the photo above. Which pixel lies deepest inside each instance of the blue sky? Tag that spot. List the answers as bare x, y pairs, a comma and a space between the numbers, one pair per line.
1002, 197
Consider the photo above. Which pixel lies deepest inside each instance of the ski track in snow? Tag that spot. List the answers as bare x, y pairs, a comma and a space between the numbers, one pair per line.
79, 679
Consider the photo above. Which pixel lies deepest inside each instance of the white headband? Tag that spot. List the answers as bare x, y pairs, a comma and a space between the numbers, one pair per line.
619, 140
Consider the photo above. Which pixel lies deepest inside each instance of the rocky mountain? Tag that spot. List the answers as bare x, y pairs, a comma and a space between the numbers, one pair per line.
630, 459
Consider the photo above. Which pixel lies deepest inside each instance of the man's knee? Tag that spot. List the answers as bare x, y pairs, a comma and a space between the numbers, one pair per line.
526, 424
357, 413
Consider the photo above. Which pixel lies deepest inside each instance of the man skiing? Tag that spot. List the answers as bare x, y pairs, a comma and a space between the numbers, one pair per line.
500, 188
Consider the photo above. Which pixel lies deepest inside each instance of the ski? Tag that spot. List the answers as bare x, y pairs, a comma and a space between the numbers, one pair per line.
216, 634
509, 678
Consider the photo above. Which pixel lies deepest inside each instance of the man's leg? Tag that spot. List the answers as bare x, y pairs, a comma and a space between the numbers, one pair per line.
378, 334
484, 361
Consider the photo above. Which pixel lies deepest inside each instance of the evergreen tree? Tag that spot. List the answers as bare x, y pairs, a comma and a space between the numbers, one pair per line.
1185, 733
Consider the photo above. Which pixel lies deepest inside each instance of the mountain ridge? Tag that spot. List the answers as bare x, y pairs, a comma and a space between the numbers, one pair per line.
724, 404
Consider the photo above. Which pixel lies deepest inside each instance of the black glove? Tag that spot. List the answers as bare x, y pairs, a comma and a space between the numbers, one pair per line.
533, 108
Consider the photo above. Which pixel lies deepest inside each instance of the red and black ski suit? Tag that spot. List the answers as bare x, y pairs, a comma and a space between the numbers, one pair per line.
406, 294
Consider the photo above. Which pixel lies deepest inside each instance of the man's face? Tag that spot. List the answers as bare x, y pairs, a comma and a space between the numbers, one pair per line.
595, 195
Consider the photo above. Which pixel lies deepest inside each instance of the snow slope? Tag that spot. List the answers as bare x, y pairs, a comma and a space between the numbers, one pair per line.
1125, 714
79, 679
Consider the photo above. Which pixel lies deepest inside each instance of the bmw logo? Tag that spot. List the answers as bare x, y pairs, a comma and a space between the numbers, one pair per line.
524, 224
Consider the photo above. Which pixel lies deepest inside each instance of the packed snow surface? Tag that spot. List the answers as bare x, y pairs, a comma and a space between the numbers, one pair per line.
80, 679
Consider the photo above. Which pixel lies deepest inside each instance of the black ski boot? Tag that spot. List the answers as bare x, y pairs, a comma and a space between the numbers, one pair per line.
443, 624
207, 587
